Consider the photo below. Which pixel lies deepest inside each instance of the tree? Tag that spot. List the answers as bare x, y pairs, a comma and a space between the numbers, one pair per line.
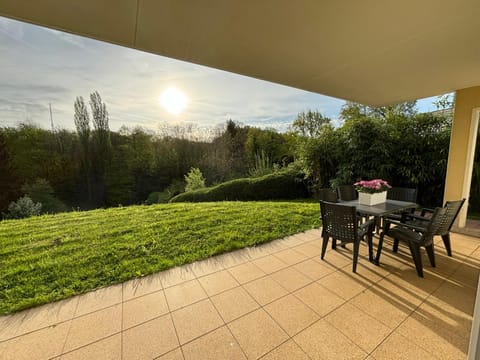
445, 101
266, 143
351, 111
420, 147
317, 157
310, 123
234, 139
363, 151
82, 124
227, 156
313, 151
42, 192
9, 180
102, 146
194, 180
408, 108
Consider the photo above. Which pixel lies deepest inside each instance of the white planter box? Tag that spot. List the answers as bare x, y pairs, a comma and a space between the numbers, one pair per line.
372, 199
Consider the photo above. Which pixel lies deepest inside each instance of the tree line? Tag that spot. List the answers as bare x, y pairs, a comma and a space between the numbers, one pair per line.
95, 167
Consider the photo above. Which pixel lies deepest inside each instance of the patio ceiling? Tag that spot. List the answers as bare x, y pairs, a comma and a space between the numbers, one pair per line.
372, 52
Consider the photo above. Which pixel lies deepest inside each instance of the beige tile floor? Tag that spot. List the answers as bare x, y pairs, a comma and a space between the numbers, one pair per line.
276, 301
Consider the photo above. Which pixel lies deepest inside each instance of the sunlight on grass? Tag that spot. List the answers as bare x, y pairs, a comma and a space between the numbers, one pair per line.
47, 258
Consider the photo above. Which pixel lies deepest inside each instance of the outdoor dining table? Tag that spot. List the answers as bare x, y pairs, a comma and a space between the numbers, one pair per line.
380, 210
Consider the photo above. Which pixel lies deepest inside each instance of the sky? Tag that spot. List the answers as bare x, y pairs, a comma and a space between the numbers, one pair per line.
40, 66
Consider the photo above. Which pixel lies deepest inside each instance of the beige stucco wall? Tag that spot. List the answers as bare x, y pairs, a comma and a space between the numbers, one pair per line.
462, 147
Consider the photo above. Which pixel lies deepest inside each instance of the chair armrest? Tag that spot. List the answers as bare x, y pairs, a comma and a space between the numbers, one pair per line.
399, 223
426, 210
406, 217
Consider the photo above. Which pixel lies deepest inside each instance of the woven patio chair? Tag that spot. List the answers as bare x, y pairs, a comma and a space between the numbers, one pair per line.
452, 210
340, 222
400, 194
415, 237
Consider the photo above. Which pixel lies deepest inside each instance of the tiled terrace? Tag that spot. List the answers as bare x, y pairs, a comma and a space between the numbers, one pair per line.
277, 301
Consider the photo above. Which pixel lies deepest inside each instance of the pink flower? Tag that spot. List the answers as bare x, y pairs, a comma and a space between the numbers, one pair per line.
372, 186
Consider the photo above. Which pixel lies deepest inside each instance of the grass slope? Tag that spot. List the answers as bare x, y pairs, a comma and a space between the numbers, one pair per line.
47, 258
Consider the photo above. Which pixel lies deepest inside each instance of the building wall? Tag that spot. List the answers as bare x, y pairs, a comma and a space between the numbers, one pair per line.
462, 147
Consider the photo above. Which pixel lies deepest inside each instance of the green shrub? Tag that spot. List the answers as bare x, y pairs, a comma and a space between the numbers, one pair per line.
160, 197
263, 165
23, 208
40, 191
283, 185
194, 180
175, 188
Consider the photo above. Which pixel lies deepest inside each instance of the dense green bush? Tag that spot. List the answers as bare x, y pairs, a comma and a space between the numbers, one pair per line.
158, 197
287, 184
194, 180
161, 197
23, 208
40, 191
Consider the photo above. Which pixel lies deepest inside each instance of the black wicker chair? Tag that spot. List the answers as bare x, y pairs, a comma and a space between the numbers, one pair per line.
347, 193
452, 210
327, 194
400, 194
415, 237
340, 222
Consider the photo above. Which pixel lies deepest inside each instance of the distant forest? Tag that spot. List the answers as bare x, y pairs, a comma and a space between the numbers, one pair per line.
95, 167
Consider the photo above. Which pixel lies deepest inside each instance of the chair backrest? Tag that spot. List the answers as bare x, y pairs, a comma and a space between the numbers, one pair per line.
327, 194
402, 194
437, 220
339, 221
452, 211
347, 193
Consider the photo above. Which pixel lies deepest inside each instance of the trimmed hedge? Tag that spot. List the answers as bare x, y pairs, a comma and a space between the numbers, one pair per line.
282, 185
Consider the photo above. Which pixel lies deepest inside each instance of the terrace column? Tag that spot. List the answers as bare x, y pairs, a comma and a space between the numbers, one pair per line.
462, 148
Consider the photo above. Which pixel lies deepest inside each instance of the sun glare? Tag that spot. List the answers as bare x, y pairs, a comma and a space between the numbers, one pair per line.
173, 100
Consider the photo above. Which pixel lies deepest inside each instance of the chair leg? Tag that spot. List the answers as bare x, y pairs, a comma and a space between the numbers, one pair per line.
395, 245
378, 224
370, 245
356, 248
379, 249
431, 254
446, 241
417, 257
334, 243
324, 246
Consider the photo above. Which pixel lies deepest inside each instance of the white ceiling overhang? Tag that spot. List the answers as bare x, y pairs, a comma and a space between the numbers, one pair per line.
372, 52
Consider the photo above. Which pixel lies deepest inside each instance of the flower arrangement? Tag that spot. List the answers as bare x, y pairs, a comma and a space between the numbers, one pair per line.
372, 186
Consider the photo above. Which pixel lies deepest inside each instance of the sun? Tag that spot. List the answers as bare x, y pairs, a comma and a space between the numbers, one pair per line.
173, 100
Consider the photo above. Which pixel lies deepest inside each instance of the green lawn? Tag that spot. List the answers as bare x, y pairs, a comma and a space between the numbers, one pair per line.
47, 258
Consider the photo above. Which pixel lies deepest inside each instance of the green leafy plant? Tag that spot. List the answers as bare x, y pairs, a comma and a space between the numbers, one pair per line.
23, 208
263, 165
40, 191
194, 180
